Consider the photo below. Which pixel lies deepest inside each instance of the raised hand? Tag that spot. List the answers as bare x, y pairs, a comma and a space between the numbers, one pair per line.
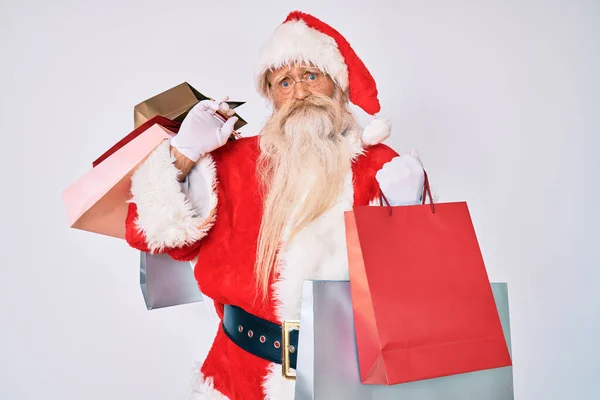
202, 131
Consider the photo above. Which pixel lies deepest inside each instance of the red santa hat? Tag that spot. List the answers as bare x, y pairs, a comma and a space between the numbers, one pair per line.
302, 38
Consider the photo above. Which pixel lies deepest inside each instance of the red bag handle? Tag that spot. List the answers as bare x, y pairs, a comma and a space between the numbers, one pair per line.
382, 198
426, 192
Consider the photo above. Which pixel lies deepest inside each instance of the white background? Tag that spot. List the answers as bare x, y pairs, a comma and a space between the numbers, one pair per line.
501, 98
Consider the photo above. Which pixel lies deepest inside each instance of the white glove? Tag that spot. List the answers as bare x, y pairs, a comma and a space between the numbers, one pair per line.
402, 179
201, 131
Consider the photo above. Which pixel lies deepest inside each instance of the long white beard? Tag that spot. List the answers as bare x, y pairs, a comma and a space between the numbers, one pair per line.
305, 157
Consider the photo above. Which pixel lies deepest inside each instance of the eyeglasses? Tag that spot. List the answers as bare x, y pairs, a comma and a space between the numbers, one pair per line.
284, 85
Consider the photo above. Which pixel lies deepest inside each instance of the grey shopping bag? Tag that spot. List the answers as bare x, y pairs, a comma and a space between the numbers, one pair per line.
327, 364
166, 282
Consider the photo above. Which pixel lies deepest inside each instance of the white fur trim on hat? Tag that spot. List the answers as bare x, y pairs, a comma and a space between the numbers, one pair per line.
296, 42
376, 131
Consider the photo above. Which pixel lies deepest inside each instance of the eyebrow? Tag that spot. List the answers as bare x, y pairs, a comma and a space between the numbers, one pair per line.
287, 71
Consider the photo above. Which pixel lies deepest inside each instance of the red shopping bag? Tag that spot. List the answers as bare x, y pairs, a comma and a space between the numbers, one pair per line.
422, 301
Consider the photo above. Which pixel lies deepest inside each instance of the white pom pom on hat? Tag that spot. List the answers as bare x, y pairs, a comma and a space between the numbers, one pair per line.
376, 131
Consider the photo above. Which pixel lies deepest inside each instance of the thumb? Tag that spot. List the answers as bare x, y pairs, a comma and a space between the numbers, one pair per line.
414, 153
225, 131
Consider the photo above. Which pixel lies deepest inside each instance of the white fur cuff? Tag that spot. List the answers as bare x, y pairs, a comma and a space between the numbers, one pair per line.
165, 215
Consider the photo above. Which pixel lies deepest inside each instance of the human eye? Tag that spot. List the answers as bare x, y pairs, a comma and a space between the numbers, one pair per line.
311, 76
284, 83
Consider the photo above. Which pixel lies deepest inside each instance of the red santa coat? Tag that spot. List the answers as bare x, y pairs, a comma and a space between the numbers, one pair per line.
219, 235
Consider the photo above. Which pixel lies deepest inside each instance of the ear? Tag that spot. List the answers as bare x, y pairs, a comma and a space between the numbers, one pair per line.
376, 131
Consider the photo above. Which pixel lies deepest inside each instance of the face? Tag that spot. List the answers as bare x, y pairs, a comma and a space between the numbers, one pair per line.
298, 82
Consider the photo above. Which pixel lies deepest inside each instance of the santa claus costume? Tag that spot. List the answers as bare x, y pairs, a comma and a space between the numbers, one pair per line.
217, 228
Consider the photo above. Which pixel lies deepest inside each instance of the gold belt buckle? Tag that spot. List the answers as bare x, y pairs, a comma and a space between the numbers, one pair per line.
286, 348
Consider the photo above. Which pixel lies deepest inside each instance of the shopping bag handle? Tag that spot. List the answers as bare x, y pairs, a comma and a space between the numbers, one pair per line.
383, 199
426, 192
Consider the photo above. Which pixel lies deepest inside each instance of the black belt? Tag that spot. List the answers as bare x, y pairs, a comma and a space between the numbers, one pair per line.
258, 336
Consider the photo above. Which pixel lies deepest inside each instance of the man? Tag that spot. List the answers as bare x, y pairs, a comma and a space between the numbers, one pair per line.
259, 215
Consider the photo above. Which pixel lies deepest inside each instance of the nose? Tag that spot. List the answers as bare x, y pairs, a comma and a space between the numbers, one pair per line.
300, 91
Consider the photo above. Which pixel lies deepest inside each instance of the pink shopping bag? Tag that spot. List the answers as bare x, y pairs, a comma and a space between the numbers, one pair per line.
97, 202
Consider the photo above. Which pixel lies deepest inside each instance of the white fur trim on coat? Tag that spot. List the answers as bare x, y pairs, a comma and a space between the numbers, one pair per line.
203, 389
296, 42
276, 387
165, 214
318, 252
